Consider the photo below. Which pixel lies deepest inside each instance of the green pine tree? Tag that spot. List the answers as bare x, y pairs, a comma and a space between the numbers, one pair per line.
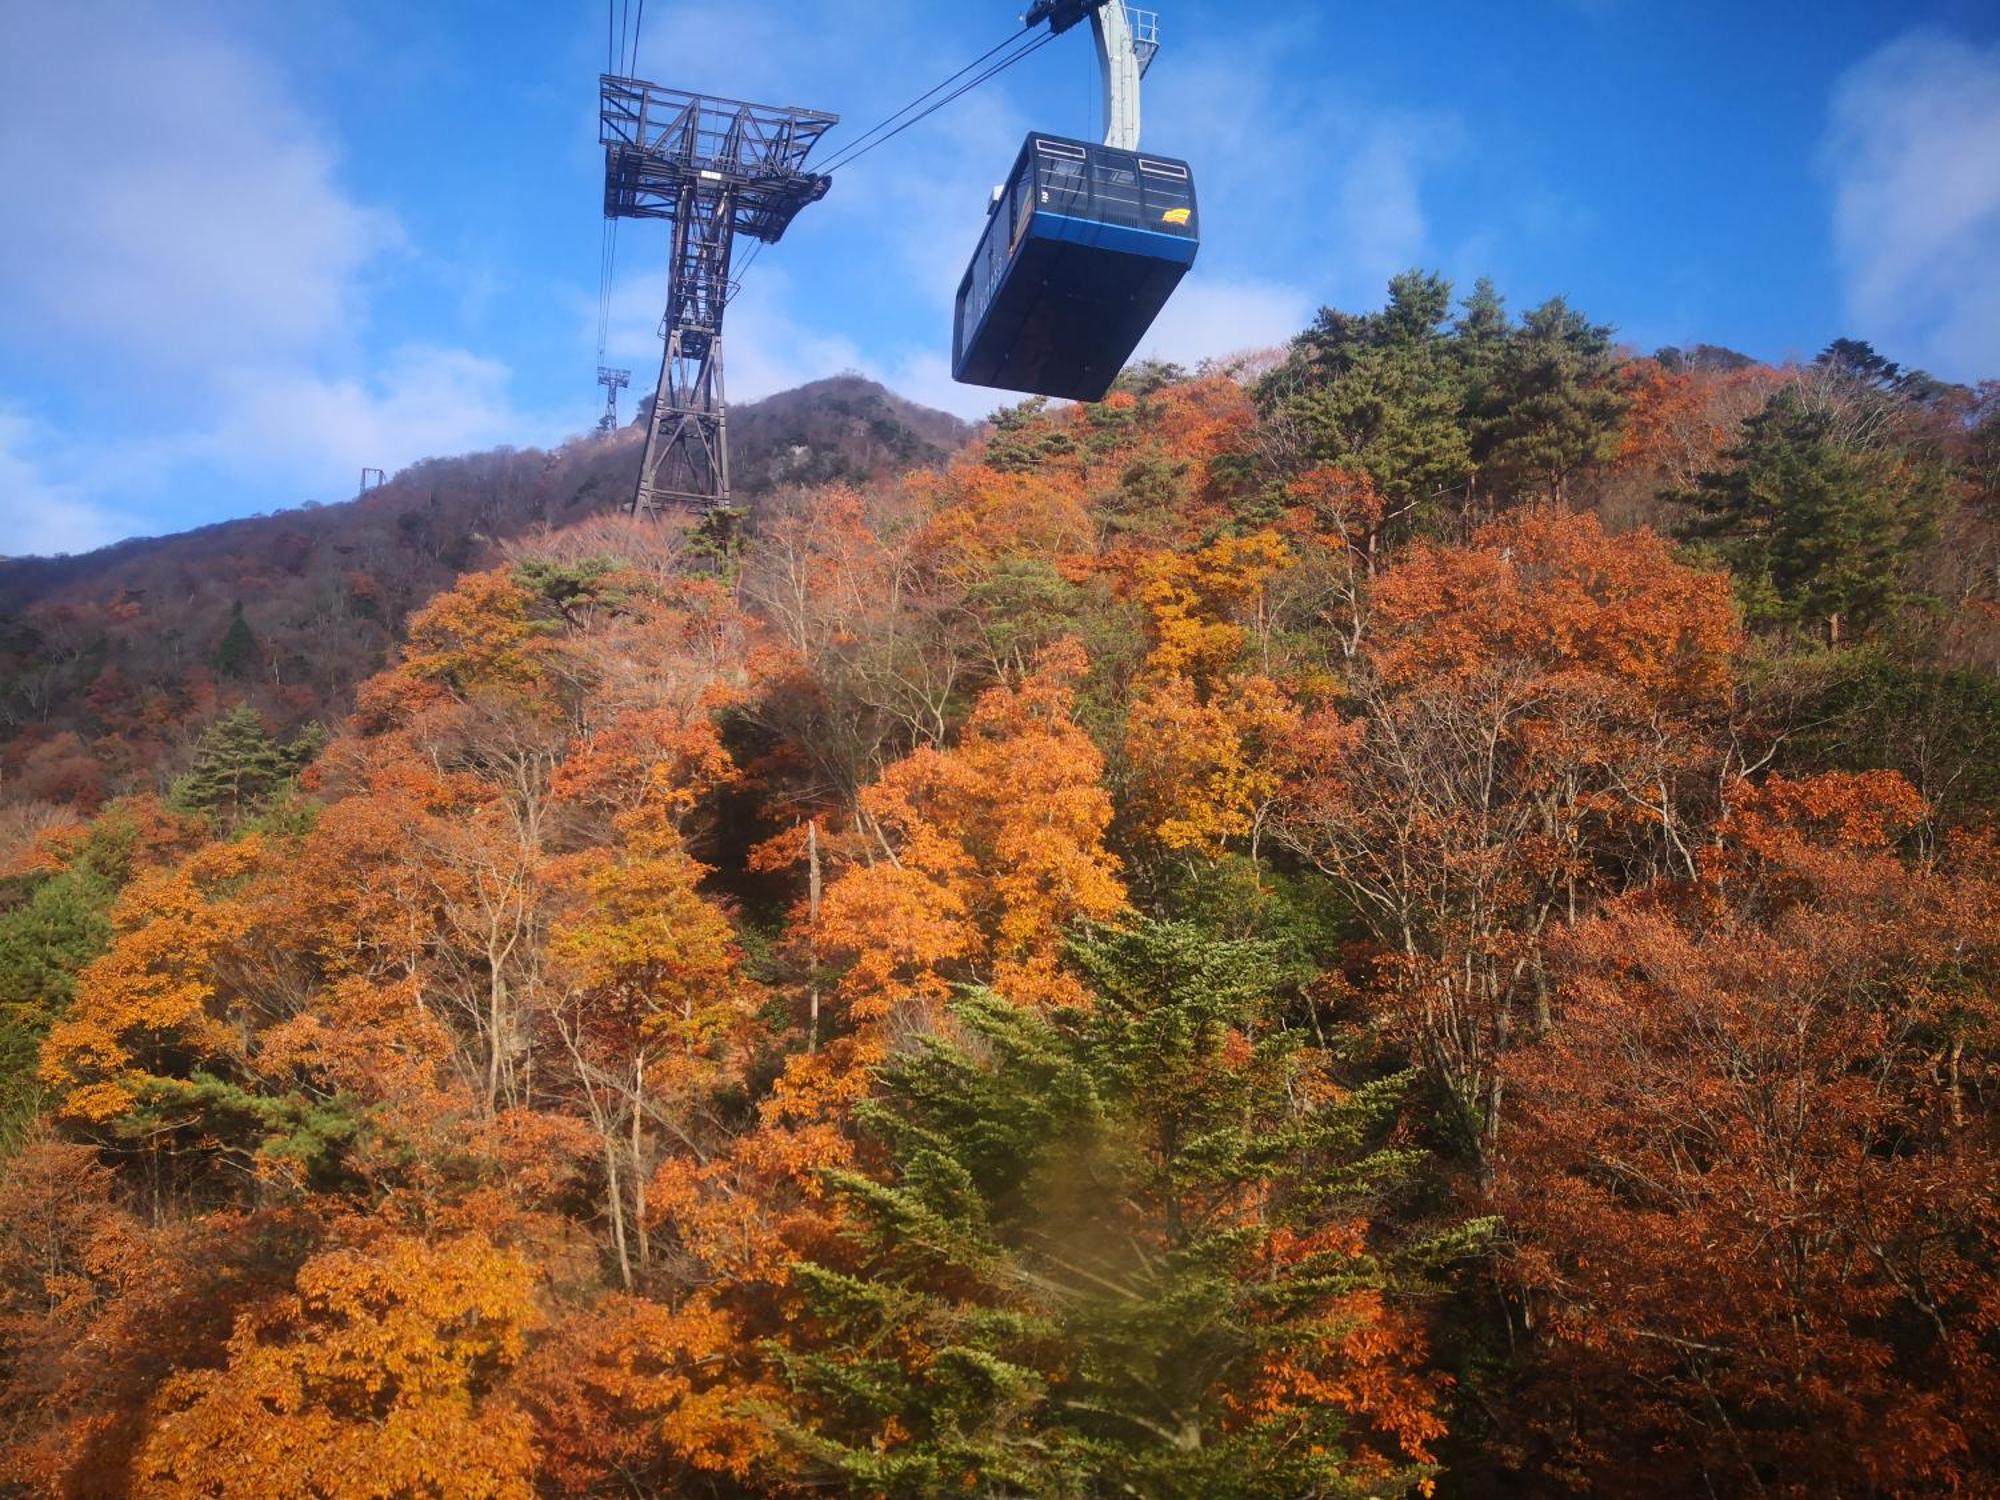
1818, 522
236, 653
1382, 394
1092, 1237
305, 745
1549, 404
1481, 332
236, 767
573, 591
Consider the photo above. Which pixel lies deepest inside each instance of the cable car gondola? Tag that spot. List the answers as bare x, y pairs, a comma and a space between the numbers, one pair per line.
1082, 248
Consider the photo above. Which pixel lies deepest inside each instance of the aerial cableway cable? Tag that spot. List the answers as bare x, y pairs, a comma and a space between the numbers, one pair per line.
607, 258
862, 144
874, 136
622, 27
853, 146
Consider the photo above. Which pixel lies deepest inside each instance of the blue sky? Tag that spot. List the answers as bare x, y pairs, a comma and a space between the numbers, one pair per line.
249, 248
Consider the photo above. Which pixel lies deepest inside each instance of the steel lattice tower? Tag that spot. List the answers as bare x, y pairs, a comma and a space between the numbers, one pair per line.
713, 169
613, 382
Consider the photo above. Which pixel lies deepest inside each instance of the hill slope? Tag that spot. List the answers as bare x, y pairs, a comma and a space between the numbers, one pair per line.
107, 658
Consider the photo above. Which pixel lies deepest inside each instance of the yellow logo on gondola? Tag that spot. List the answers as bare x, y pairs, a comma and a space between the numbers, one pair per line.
1175, 216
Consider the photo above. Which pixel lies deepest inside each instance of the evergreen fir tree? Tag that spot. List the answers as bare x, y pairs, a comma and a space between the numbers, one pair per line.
236, 653
1818, 527
1482, 329
304, 746
1550, 404
1115, 1252
50, 927
1381, 394
236, 766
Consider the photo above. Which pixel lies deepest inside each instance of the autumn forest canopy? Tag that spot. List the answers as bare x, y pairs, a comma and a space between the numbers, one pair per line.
1415, 914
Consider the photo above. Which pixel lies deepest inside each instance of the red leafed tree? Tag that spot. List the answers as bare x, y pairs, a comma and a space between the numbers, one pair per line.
630, 1396
1535, 729
97, 1304
1753, 1174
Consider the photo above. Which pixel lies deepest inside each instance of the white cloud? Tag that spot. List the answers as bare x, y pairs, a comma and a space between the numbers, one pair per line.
1214, 316
160, 191
939, 187
279, 435
291, 426
1379, 227
769, 348
770, 345
176, 228
1298, 171
766, 346
1913, 151
41, 515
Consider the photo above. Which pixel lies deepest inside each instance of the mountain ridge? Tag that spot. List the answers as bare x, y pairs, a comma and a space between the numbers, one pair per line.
288, 610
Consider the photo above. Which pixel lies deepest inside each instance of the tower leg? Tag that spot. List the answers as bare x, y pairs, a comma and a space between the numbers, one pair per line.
686, 460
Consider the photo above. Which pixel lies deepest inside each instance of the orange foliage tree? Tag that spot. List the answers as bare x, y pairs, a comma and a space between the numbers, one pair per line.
972, 861
1207, 732
381, 1375
147, 1011
653, 1007
630, 1394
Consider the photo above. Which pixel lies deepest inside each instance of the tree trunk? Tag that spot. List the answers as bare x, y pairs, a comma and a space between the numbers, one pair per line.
639, 1159
615, 1206
812, 931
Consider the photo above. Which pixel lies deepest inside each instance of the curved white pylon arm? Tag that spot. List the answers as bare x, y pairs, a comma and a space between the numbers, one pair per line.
1118, 63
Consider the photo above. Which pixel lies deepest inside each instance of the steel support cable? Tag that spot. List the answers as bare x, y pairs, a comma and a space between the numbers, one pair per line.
854, 153
860, 144
603, 303
607, 244
607, 261
856, 149
749, 261
620, 28
1040, 42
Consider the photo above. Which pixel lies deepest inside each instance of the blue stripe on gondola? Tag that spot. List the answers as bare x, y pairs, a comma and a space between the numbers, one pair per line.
1148, 242
1048, 225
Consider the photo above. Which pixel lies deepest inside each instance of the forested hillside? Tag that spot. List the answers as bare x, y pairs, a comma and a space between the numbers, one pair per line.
1423, 920
111, 662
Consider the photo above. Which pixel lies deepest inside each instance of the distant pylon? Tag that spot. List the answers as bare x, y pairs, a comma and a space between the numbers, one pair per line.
713, 169
613, 382
379, 477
